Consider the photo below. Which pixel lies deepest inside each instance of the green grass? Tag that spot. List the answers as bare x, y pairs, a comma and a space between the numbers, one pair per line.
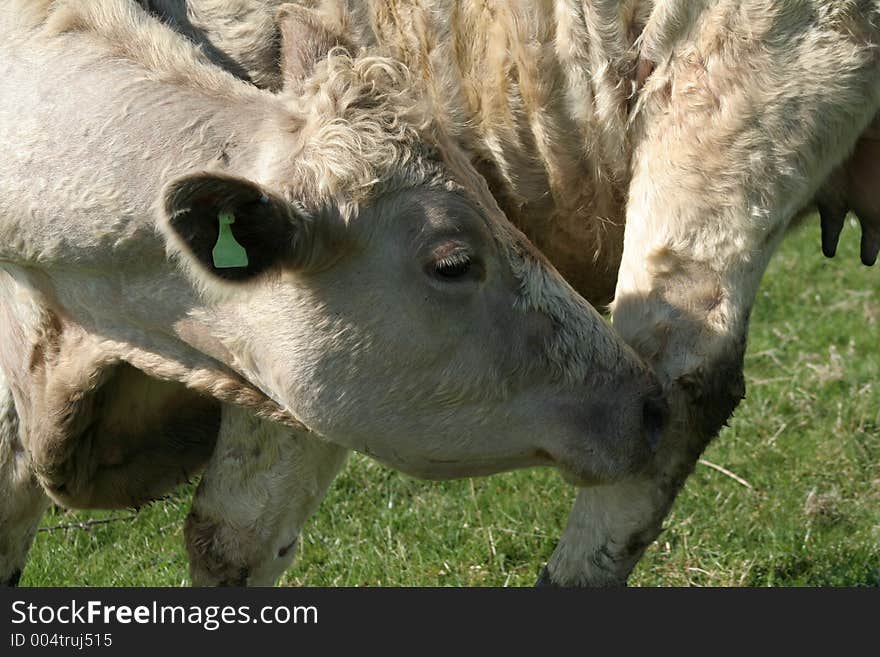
806, 439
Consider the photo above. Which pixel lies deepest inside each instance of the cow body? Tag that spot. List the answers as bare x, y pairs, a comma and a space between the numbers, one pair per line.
744, 111
133, 355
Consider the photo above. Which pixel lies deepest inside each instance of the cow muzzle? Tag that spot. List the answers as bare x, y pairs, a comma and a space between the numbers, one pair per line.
620, 432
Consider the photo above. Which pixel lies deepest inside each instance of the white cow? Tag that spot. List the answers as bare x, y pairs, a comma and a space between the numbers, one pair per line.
744, 109
195, 272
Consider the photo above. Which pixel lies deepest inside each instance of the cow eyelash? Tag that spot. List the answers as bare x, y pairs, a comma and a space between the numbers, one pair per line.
454, 266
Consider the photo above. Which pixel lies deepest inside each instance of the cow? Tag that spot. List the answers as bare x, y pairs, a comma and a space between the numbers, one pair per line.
655, 151
200, 275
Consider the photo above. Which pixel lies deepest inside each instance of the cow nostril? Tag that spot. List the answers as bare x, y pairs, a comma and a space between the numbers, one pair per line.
655, 413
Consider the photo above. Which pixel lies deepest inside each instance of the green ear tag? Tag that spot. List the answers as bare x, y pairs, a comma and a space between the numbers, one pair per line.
227, 252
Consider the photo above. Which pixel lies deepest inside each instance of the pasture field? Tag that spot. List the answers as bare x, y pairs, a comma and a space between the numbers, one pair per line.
799, 504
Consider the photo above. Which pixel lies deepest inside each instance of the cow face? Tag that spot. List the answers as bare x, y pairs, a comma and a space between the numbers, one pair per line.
420, 330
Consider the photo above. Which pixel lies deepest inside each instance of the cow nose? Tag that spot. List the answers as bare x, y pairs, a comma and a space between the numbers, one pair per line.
655, 416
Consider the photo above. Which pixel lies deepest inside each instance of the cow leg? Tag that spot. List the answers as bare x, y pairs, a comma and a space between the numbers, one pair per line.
611, 526
22, 500
262, 483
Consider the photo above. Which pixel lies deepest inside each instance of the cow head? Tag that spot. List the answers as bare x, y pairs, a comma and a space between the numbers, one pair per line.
748, 107
371, 286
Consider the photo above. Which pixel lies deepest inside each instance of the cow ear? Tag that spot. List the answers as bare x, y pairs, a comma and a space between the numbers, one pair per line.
230, 228
306, 39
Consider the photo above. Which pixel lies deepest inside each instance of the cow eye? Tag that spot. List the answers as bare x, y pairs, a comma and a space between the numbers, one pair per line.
453, 267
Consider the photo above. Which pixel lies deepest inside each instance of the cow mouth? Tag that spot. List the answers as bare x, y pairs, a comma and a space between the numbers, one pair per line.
601, 471
441, 469
569, 474
577, 479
